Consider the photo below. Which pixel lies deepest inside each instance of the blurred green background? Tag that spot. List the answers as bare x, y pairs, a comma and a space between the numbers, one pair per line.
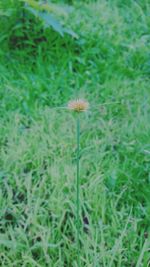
51, 52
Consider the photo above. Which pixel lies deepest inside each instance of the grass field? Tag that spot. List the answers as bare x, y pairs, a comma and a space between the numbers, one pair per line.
109, 65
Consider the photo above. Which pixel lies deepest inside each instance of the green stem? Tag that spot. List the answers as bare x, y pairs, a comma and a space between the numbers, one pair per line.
78, 191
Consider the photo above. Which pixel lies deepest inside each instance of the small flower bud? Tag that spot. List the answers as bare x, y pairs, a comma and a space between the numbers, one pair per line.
78, 105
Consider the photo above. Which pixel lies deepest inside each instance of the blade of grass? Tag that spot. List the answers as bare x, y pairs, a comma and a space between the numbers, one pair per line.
78, 191
139, 262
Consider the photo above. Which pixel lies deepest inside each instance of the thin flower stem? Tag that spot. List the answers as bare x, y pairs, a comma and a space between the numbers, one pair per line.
59, 107
104, 104
78, 191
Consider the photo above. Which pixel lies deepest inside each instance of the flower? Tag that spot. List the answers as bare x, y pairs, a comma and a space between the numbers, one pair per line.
78, 105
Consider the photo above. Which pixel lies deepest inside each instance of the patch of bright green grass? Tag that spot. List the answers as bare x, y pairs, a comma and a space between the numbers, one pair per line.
109, 64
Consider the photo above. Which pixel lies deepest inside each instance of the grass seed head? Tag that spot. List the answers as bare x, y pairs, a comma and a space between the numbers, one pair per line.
78, 105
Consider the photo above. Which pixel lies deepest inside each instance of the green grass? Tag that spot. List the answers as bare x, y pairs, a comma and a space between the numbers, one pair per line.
109, 64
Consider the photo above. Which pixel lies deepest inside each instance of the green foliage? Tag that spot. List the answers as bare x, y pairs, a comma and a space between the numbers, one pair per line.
28, 21
44, 11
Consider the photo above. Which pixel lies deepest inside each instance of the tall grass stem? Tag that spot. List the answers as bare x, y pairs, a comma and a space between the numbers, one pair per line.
78, 191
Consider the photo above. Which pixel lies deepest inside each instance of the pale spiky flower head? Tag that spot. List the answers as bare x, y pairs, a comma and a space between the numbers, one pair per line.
78, 105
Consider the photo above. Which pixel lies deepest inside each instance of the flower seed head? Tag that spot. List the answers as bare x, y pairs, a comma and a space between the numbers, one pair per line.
78, 105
